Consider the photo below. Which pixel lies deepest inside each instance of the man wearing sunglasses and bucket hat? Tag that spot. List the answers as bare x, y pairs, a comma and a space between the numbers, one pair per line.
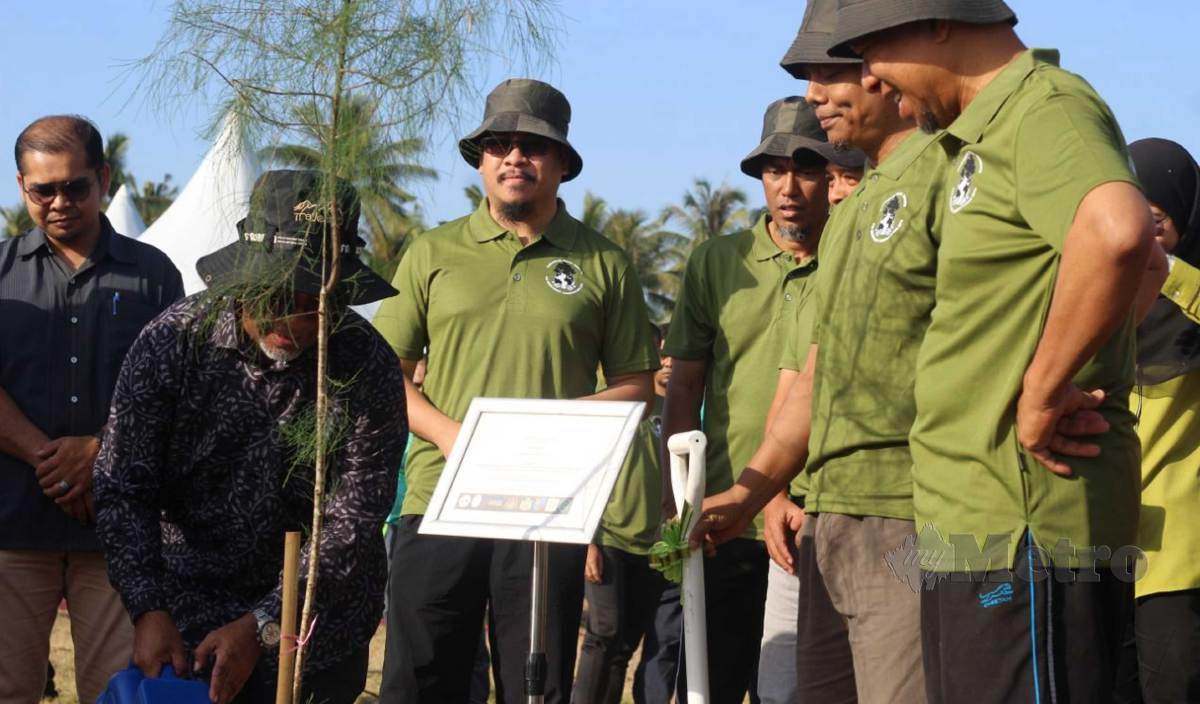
517, 300
73, 296
209, 460
1044, 240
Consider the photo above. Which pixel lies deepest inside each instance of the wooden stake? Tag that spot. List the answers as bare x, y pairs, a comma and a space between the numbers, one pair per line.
287, 622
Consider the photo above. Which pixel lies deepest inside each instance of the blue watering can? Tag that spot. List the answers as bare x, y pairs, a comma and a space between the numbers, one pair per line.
130, 686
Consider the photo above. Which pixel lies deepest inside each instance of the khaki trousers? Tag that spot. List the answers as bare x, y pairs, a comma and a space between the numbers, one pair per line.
32, 583
881, 613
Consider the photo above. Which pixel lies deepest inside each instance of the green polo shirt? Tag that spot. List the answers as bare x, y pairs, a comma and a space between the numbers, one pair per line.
631, 519
1023, 155
796, 342
504, 320
874, 295
738, 302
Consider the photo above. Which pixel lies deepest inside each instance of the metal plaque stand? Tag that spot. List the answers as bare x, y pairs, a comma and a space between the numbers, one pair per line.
535, 663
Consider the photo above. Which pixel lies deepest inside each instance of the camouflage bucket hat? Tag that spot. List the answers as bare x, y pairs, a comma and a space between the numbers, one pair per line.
528, 106
789, 127
280, 240
859, 18
812, 42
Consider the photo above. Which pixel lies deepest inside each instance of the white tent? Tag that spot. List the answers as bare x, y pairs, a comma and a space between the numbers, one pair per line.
123, 214
204, 216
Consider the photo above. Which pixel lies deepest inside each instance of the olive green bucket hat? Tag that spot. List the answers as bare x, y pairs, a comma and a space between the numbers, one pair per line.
528, 106
790, 127
859, 18
812, 42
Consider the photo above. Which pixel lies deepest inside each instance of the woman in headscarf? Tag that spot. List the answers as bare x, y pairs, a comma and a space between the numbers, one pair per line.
1167, 401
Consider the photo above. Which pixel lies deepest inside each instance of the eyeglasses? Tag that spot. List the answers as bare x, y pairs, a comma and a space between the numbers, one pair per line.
501, 145
73, 191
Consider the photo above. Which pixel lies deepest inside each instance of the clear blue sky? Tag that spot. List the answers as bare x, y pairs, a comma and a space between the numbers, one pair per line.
663, 91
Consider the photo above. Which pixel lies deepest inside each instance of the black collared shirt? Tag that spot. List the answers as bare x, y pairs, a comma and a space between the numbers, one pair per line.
203, 470
63, 336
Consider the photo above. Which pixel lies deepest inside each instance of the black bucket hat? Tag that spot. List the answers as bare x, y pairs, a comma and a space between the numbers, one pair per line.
859, 18
812, 42
528, 106
790, 127
279, 241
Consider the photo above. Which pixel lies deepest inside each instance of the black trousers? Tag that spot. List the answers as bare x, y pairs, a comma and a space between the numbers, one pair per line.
1032, 634
621, 610
439, 590
1163, 654
735, 597
654, 679
339, 684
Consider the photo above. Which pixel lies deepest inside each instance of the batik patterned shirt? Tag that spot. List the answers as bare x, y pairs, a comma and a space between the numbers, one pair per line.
204, 469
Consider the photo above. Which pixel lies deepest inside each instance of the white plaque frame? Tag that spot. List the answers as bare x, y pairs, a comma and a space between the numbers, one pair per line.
558, 462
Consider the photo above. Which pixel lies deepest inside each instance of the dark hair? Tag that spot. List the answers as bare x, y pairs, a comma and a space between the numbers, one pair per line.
55, 134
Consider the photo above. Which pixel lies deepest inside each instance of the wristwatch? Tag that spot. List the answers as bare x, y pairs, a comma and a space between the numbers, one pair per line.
268, 630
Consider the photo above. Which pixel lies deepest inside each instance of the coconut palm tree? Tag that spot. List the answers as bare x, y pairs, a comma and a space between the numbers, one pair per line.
378, 169
115, 151
16, 220
656, 254
708, 212
474, 194
155, 198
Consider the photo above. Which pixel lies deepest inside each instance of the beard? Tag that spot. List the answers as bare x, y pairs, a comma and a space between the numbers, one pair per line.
928, 122
791, 233
278, 354
516, 211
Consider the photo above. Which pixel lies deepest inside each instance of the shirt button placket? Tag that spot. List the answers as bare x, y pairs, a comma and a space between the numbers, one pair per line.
73, 344
517, 282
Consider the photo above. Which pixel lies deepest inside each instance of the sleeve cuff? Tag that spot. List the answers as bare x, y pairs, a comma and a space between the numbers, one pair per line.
1183, 288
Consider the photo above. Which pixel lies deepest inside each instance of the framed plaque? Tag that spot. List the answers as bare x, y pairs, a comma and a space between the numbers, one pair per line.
532, 469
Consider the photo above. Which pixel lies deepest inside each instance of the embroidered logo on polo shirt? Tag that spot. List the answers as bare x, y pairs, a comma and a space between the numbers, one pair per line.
890, 221
968, 168
563, 276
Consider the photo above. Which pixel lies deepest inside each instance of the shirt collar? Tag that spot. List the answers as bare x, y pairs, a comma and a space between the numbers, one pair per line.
31, 242
764, 247
969, 126
561, 232
896, 163
225, 331
119, 248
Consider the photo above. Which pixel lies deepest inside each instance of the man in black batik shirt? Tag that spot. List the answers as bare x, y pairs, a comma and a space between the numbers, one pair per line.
209, 457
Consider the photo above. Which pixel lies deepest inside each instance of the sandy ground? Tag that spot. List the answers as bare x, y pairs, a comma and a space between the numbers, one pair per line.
61, 655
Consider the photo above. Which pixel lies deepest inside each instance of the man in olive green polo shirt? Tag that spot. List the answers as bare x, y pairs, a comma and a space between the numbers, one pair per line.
858, 630
740, 294
1045, 237
519, 300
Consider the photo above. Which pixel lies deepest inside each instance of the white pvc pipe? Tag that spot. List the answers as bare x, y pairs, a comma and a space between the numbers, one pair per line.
687, 483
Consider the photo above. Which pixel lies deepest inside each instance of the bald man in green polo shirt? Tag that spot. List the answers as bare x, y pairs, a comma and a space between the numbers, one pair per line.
858, 629
741, 294
517, 300
1044, 239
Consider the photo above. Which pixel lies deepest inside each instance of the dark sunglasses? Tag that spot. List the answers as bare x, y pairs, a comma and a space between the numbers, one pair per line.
73, 191
500, 146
